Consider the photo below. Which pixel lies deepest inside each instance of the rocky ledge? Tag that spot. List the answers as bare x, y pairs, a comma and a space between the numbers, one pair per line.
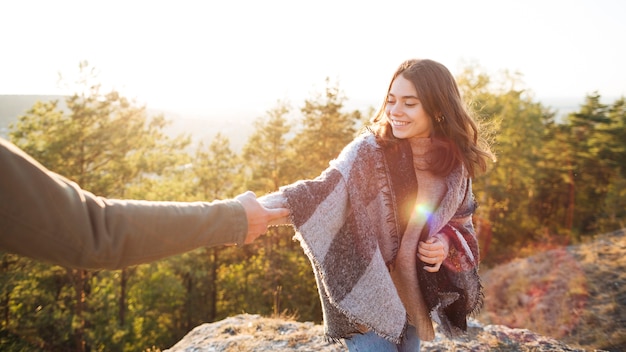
247, 332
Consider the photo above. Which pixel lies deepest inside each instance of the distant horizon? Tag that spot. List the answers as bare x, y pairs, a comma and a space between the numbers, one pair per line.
558, 103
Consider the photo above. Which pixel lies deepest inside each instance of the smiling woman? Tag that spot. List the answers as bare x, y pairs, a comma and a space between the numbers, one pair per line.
388, 226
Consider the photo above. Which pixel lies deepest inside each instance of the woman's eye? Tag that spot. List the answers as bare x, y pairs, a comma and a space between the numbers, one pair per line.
410, 105
390, 102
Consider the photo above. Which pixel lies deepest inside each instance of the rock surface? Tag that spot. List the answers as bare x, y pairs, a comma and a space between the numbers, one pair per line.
248, 332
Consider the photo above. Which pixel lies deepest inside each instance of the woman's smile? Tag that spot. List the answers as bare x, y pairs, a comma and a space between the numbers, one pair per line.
405, 112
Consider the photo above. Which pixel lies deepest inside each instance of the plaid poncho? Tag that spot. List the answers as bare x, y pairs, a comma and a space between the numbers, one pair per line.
350, 221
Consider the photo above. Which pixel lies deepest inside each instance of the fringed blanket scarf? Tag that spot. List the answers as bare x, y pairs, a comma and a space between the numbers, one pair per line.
343, 215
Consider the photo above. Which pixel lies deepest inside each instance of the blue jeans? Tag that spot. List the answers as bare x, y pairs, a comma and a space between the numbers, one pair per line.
370, 342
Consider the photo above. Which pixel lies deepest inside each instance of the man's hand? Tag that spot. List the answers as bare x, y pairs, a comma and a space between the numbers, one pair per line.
258, 216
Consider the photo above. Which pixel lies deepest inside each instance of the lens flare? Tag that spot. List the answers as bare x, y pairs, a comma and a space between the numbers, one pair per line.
424, 210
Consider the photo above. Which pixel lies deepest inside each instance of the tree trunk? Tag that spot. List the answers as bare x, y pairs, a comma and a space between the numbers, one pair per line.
188, 279
213, 257
78, 278
7, 296
569, 221
122, 300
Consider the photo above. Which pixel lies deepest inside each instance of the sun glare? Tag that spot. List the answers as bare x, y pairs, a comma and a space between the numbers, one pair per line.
423, 210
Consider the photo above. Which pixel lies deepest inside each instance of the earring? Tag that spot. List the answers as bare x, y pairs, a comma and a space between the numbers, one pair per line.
440, 118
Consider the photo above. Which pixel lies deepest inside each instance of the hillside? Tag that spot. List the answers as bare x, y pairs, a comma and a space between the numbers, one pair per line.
203, 128
576, 294
566, 299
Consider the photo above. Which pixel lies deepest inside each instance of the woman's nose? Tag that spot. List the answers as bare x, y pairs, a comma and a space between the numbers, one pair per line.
395, 110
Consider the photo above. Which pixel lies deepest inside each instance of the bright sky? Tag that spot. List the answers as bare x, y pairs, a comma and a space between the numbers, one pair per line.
230, 56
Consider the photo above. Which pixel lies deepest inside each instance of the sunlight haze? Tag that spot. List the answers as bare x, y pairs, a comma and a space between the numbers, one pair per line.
242, 56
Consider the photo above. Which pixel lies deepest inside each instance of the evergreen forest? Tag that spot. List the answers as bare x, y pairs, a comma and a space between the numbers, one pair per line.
558, 179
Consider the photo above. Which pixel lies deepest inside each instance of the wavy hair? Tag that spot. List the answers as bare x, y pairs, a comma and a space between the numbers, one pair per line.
455, 135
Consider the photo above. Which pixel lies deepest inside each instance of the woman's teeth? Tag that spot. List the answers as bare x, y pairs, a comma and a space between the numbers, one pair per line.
399, 123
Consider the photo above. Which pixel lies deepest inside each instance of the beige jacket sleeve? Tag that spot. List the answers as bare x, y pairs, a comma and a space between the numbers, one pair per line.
47, 217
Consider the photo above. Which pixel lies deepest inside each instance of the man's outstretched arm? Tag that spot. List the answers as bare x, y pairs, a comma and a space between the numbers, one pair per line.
47, 217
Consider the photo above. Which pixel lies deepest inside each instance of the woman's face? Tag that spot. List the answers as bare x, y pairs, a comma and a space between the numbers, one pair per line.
405, 112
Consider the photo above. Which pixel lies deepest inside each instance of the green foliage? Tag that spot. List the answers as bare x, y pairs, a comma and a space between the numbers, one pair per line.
153, 302
553, 182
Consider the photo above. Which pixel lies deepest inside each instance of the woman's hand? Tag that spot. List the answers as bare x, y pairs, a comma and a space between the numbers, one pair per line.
275, 201
433, 252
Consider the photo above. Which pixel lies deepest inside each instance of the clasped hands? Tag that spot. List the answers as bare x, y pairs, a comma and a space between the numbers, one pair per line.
259, 217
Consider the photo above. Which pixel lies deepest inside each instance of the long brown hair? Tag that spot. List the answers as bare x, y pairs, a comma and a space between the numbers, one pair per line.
455, 133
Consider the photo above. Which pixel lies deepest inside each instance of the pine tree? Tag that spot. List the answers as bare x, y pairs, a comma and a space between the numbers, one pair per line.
326, 130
